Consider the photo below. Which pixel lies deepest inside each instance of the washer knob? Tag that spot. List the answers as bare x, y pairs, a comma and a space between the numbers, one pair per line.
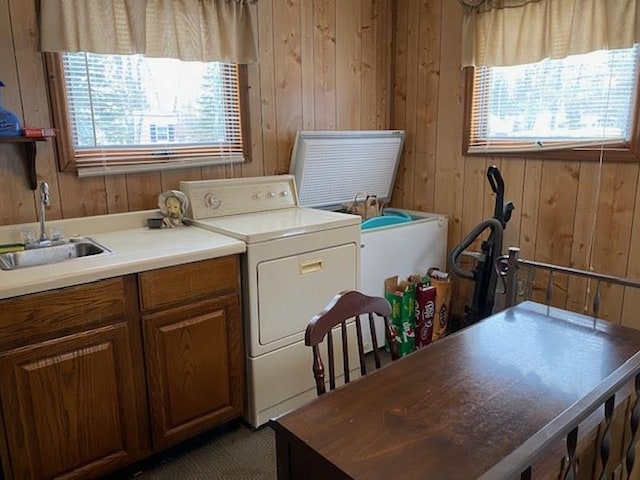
271, 194
284, 193
212, 201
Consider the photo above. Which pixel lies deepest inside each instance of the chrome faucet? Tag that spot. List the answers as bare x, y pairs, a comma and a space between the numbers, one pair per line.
44, 202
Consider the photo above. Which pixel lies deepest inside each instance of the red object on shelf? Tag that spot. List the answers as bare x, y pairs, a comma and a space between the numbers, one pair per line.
38, 132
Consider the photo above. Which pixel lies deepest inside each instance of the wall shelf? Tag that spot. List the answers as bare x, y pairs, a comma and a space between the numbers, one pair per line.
29, 144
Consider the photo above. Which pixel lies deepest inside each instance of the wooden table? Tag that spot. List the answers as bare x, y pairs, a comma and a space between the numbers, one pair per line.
458, 407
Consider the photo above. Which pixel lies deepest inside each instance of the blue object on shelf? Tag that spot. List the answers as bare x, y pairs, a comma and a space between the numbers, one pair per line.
9, 121
386, 220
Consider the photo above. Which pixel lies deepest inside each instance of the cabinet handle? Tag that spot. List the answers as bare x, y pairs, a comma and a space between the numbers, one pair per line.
310, 266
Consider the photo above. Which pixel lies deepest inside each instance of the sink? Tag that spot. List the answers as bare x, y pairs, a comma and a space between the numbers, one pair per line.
74, 248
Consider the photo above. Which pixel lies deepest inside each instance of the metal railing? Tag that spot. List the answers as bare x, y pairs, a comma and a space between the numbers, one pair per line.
508, 267
518, 464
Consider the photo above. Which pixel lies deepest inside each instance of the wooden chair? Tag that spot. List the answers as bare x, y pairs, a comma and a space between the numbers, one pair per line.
344, 306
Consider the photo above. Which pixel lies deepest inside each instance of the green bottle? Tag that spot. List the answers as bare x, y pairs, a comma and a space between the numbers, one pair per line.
9, 121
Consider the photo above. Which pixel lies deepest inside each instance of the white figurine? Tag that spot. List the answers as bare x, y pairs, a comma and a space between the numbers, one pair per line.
173, 205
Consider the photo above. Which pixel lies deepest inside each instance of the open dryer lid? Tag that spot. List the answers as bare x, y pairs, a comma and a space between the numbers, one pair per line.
330, 167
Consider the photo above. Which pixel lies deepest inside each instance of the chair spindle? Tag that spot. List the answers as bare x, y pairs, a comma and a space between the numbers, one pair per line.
345, 352
332, 365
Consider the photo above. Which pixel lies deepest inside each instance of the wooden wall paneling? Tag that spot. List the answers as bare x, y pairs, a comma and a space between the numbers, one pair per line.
529, 212
474, 196
143, 190
81, 197
368, 64
19, 201
8, 65
449, 182
348, 64
170, 179
288, 78
233, 170
218, 172
512, 171
411, 110
559, 188
35, 106
529, 208
612, 234
399, 108
427, 105
631, 299
449, 179
307, 63
117, 195
613, 231
383, 12
267, 86
324, 48
586, 206
255, 167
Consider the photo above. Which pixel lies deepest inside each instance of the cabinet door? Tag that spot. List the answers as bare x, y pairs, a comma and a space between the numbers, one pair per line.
195, 376
69, 405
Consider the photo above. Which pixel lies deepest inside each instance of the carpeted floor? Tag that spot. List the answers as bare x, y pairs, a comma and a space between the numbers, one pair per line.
230, 453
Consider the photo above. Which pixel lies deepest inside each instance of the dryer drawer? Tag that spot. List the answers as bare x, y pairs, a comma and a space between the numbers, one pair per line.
293, 289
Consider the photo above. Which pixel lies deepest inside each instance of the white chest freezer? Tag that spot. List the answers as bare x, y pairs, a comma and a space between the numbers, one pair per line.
330, 167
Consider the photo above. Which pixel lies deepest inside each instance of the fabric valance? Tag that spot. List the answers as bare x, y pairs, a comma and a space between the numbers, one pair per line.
517, 32
191, 30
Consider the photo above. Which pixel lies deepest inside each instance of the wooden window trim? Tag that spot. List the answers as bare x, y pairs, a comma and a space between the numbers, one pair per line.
627, 152
58, 102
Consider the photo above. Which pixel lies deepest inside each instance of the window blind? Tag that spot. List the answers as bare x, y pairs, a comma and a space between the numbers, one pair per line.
126, 112
578, 101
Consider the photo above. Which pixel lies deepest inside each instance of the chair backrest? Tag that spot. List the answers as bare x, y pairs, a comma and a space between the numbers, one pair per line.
344, 306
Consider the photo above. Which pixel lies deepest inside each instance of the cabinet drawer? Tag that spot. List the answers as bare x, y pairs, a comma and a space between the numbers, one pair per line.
185, 283
45, 315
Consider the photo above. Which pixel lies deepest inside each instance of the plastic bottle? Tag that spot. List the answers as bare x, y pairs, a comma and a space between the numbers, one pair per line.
9, 121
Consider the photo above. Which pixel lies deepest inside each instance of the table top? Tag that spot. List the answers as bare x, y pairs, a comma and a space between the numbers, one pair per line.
456, 408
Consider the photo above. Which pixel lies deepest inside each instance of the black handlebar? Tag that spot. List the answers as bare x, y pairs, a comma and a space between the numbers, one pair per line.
497, 185
495, 180
496, 231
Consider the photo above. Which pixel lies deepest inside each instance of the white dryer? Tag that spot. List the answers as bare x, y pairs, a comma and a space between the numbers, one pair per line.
297, 260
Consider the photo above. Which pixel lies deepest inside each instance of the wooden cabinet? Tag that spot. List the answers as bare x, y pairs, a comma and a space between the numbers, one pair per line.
71, 386
193, 349
75, 400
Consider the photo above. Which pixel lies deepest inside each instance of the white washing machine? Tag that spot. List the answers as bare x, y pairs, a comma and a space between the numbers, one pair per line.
297, 260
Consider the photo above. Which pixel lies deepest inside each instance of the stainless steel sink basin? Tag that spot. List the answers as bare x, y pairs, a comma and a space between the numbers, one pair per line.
74, 248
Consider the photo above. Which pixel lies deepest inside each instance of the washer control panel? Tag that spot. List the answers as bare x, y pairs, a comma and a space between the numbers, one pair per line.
234, 196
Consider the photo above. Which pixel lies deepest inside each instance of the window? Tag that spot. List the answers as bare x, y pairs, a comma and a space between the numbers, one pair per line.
575, 104
122, 113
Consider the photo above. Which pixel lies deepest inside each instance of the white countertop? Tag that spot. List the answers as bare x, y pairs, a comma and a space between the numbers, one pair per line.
135, 248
